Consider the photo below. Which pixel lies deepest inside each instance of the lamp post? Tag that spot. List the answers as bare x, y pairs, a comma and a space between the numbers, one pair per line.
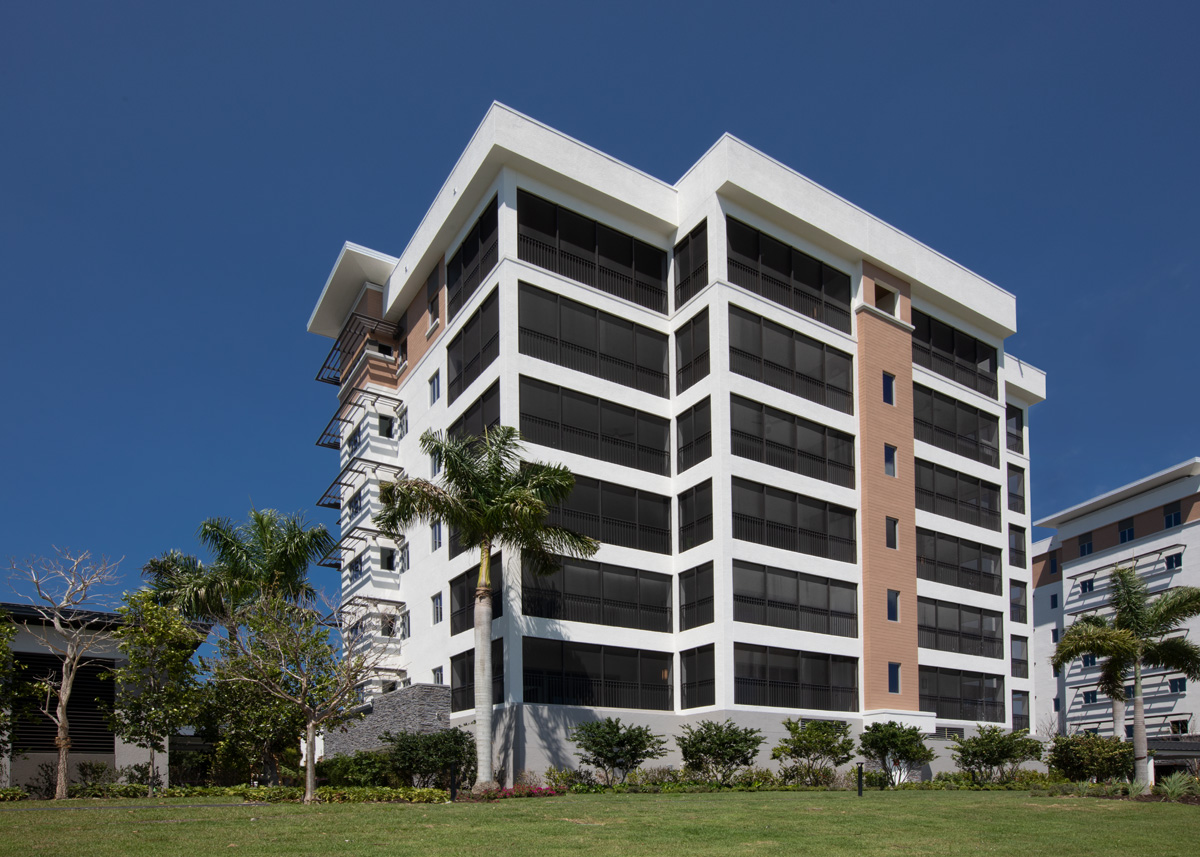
860, 778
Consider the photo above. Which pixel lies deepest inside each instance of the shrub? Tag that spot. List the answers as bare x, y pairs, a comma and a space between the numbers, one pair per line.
814, 750
897, 750
364, 768
615, 750
424, 759
13, 794
717, 750
325, 794
518, 790
1084, 756
662, 776
45, 782
756, 778
1176, 785
1137, 788
565, 779
994, 754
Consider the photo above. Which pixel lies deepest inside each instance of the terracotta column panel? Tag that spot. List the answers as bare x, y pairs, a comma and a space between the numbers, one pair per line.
885, 345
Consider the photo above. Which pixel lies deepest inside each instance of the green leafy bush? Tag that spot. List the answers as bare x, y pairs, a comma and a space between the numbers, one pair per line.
715, 751
326, 794
424, 760
1085, 756
813, 751
13, 793
1176, 785
615, 750
565, 779
994, 754
364, 768
896, 750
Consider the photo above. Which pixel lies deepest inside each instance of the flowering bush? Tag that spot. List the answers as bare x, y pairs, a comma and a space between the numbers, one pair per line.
519, 790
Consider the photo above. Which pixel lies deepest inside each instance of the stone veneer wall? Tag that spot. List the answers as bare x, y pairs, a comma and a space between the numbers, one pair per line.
417, 708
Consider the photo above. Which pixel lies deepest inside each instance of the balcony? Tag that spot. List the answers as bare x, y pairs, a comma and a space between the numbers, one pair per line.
959, 510
1016, 442
629, 285
571, 607
360, 332
547, 689
693, 614
751, 529
954, 708
1018, 613
782, 694
954, 575
963, 445
960, 641
799, 617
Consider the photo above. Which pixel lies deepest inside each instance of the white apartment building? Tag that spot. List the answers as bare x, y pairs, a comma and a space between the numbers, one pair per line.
1150, 524
795, 431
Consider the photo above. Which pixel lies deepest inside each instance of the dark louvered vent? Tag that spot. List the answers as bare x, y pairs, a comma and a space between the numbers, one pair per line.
90, 698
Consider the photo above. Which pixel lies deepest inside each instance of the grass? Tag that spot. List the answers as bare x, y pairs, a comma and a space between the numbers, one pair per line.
695, 825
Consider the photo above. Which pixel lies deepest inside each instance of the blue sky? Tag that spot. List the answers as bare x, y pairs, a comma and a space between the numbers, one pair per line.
175, 184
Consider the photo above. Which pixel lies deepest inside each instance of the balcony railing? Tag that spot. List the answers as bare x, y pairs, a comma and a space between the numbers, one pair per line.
1020, 721
544, 689
963, 445
689, 286
784, 457
800, 617
959, 510
1017, 613
783, 293
784, 378
780, 694
693, 614
634, 288
543, 346
752, 529
1020, 668
695, 451
691, 372
698, 693
1016, 442
954, 708
462, 697
953, 575
350, 343
571, 607
963, 373
1016, 557
959, 641
695, 533
1016, 503
604, 447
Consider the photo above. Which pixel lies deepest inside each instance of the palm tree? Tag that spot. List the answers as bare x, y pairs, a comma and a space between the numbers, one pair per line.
268, 553
493, 499
1138, 635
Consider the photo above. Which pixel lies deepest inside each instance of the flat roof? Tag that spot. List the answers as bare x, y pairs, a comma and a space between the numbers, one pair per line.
1190, 467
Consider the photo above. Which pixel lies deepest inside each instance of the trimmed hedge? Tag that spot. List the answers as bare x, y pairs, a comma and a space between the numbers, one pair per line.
325, 794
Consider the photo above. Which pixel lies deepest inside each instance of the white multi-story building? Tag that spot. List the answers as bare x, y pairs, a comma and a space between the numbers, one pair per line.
795, 431
1151, 525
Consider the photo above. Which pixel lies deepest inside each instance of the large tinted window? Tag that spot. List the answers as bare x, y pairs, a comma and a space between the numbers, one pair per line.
462, 595
566, 673
691, 264
763, 595
473, 259
693, 429
954, 354
696, 596
599, 593
691, 351
475, 346
951, 494
962, 695
782, 519
698, 668
559, 240
587, 425
956, 427
566, 332
462, 678
793, 443
958, 562
90, 731
787, 276
951, 627
790, 361
695, 516
786, 678
616, 514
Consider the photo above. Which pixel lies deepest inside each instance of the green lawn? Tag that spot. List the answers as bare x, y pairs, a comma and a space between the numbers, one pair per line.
819, 823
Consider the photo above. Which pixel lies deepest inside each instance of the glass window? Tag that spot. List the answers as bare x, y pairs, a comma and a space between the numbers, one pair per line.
893, 533
1172, 515
893, 678
889, 460
1125, 530
893, 605
889, 389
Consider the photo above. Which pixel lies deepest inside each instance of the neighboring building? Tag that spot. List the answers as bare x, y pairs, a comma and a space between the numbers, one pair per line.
1151, 525
795, 431
92, 739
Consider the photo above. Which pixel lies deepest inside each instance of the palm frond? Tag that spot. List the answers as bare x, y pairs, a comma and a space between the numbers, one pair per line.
1178, 654
1128, 600
1089, 639
1171, 609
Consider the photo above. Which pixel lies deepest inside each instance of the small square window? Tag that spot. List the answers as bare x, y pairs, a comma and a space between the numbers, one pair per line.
1172, 515
1130, 691
387, 426
1056, 672
1128, 732
437, 608
1085, 544
1179, 727
1174, 561
889, 389
404, 557
1125, 530
1086, 586
435, 464
1090, 697
1178, 685
435, 387
1053, 600
405, 626
893, 605
893, 533
435, 533
387, 626
1057, 704
437, 675
1089, 660
893, 678
889, 460
1054, 565
1053, 635
387, 559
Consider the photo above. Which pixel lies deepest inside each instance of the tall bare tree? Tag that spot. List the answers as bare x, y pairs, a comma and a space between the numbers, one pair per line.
65, 592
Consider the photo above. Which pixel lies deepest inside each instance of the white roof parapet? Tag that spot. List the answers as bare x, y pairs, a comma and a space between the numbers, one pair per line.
1190, 467
1028, 381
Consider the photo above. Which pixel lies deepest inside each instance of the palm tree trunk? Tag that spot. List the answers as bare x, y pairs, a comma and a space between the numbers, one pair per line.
483, 667
310, 763
1119, 719
1141, 764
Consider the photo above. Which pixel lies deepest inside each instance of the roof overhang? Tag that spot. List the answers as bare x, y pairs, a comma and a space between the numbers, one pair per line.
1183, 470
354, 267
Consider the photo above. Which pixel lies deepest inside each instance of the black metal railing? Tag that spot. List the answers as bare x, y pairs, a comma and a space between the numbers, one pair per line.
746, 445
1016, 503
542, 346
800, 617
954, 575
613, 531
689, 286
960, 641
1020, 668
467, 283
1020, 721
751, 529
695, 451
959, 510
463, 696
1017, 613
547, 689
698, 693
783, 293
784, 378
693, 614
691, 372
631, 287
695, 533
948, 367
954, 708
781, 694
1016, 557
593, 444
570, 607
1016, 442
968, 447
